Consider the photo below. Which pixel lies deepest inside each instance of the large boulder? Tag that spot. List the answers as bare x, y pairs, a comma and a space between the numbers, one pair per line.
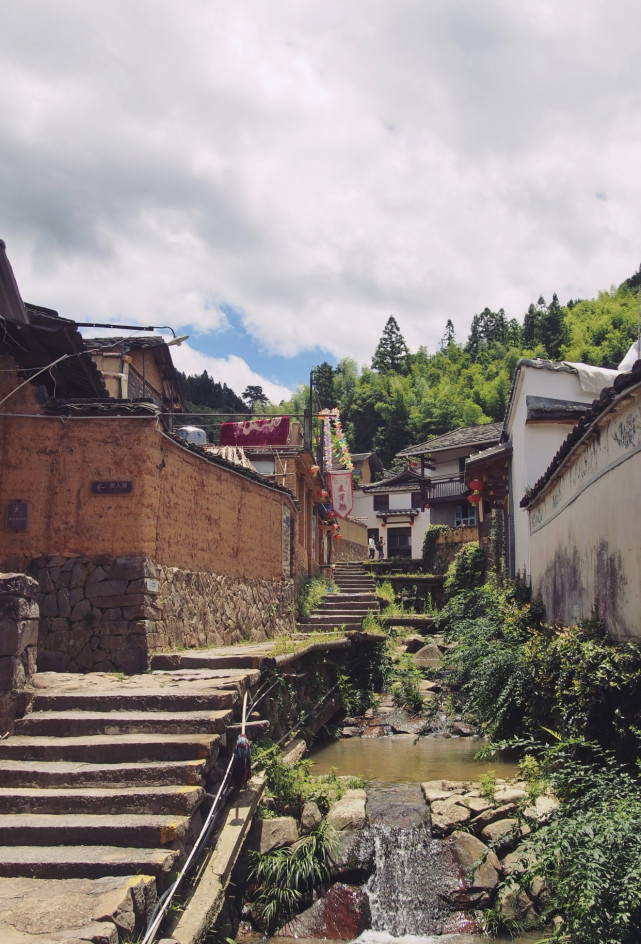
429, 657
504, 834
349, 811
479, 870
268, 834
340, 915
449, 814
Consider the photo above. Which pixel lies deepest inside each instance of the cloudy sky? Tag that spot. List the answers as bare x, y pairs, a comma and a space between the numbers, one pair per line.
274, 178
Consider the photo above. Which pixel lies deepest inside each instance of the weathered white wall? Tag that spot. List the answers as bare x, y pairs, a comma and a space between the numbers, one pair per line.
536, 444
584, 538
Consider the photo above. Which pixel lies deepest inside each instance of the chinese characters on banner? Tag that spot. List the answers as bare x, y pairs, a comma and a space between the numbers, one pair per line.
341, 490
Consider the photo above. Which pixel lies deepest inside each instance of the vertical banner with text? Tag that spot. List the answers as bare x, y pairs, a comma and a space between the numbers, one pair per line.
341, 492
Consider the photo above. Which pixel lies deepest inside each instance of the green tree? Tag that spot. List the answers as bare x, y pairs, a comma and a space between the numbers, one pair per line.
553, 332
392, 351
324, 384
253, 394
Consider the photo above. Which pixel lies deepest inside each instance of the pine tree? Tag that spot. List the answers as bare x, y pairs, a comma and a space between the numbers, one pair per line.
392, 350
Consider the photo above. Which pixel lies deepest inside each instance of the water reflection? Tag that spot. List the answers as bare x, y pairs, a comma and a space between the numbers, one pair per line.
398, 759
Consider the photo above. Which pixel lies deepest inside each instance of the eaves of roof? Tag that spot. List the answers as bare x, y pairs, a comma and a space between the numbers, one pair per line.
464, 436
623, 383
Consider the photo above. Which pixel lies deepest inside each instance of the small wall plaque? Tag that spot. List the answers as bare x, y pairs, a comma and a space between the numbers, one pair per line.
152, 585
18, 515
112, 488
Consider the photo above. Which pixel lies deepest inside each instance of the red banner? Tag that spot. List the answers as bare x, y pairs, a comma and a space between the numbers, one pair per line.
341, 491
271, 431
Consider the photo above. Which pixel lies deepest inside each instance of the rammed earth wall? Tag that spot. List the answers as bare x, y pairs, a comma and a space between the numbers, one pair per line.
109, 614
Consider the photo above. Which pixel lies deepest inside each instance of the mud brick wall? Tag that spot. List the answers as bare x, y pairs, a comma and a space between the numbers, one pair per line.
18, 644
109, 614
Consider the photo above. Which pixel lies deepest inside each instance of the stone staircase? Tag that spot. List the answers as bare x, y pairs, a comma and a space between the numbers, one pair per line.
105, 779
346, 608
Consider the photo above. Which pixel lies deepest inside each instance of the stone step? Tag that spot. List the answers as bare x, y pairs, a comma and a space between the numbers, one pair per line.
178, 800
77, 722
245, 666
215, 671
138, 831
112, 748
339, 602
331, 622
34, 774
199, 699
84, 861
68, 910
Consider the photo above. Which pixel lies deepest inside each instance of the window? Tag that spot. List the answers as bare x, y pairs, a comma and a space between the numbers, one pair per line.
381, 502
465, 516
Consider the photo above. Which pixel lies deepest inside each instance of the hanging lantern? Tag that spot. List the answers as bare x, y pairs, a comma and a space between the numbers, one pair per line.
476, 485
314, 469
411, 522
427, 506
474, 498
383, 524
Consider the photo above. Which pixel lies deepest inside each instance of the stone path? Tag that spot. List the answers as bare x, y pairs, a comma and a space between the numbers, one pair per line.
102, 789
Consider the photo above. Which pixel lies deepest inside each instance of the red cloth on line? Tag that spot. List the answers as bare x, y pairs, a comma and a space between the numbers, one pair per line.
267, 431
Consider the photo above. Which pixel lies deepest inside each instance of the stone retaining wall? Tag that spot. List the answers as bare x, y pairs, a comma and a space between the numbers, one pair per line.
18, 644
109, 614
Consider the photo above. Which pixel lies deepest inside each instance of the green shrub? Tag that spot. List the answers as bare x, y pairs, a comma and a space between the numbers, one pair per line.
405, 687
281, 881
588, 852
429, 545
310, 593
467, 570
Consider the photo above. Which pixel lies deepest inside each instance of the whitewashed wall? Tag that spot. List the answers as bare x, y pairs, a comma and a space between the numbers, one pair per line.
584, 526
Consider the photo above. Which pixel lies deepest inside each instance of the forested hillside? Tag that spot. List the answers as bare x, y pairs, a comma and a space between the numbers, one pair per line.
406, 397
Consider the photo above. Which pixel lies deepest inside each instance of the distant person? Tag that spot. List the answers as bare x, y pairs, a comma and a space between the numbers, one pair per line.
381, 547
372, 548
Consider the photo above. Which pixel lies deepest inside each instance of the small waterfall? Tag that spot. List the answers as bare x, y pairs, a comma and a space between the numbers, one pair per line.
403, 890
410, 866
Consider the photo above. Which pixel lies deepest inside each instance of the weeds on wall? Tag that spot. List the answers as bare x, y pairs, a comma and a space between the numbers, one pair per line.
429, 545
515, 674
310, 594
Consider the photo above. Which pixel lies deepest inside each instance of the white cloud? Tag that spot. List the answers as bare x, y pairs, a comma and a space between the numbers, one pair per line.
232, 370
318, 167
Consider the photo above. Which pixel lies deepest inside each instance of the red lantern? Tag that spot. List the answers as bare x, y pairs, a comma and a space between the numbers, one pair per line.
427, 506
476, 485
474, 498
314, 469
411, 522
383, 524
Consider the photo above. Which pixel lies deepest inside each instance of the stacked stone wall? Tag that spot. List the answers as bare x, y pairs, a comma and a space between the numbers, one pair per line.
18, 644
109, 614
344, 551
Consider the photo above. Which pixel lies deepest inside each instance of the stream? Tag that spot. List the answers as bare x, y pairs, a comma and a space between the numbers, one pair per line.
395, 766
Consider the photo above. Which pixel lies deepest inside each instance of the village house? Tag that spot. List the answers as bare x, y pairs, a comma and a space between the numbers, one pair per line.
430, 490
546, 401
136, 368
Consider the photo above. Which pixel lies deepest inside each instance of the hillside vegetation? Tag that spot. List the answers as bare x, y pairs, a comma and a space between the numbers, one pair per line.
407, 397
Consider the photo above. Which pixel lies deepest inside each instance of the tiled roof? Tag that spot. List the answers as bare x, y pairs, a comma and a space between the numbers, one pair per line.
608, 395
465, 436
406, 481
